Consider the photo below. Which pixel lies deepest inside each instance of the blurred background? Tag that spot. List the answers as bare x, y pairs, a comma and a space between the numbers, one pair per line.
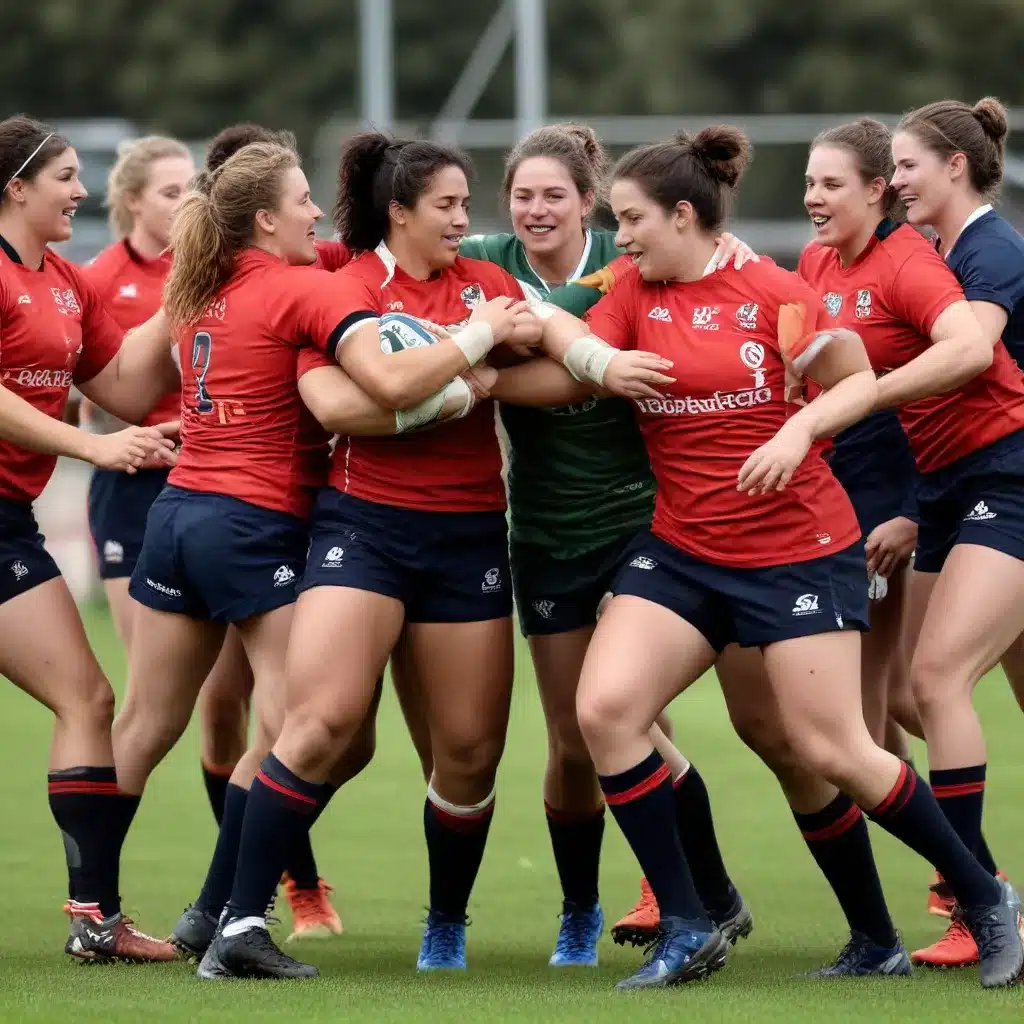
480, 73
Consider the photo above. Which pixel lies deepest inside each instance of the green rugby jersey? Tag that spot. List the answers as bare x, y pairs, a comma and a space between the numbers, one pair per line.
578, 475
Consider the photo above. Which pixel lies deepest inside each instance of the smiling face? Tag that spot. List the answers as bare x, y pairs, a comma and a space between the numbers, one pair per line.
438, 221
924, 180
49, 200
546, 208
291, 224
153, 208
654, 237
840, 204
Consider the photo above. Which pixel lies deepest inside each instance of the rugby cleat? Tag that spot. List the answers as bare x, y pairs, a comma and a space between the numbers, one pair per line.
578, 936
94, 937
250, 954
313, 917
194, 931
861, 957
736, 922
677, 955
444, 945
999, 933
940, 897
640, 925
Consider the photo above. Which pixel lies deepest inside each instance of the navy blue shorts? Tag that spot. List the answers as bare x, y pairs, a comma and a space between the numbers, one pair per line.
751, 607
443, 566
118, 506
558, 595
881, 479
24, 562
209, 556
978, 499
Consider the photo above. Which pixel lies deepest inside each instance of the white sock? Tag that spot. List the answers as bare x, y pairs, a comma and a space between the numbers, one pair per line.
243, 924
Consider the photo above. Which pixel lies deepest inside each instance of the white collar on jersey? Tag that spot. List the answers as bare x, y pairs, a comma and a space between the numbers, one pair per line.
387, 257
977, 215
578, 272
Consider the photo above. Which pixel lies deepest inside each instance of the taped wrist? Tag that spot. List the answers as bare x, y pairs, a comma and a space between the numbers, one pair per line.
475, 340
452, 402
587, 359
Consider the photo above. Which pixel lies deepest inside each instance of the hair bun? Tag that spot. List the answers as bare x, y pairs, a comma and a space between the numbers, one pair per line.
724, 150
991, 115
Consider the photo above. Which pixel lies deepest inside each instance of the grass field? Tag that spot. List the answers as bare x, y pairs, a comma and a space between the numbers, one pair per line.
370, 847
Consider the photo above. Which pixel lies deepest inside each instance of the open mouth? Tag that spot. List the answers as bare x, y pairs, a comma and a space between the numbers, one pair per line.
453, 240
540, 230
819, 220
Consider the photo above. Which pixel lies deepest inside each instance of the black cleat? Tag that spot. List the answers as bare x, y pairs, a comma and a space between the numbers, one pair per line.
998, 931
734, 923
250, 954
194, 931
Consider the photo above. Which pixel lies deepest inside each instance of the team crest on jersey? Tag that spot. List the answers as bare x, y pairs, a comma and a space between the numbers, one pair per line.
66, 302
747, 316
216, 309
128, 291
396, 306
833, 303
752, 357
472, 295
863, 309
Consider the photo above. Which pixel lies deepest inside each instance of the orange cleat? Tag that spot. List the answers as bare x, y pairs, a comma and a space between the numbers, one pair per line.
640, 925
94, 937
940, 897
313, 917
956, 948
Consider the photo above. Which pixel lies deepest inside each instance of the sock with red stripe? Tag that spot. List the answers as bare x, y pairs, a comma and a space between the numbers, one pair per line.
700, 844
456, 837
215, 778
911, 813
280, 809
642, 801
838, 839
576, 842
221, 872
90, 813
960, 793
302, 869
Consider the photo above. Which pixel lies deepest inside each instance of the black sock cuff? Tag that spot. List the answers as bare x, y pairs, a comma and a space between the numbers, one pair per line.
899, 795
276, 778
83, 780
835, 818
953, 782
635, 782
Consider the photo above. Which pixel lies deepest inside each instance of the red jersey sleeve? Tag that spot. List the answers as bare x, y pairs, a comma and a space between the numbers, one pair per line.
311, 359
922, 288
101, 336
613, 318
318, 308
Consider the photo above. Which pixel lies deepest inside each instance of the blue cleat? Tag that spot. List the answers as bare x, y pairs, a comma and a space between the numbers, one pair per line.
861, 957
444, 945
679, 954
577, 937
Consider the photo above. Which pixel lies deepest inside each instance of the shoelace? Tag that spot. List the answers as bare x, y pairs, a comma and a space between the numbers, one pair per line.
655, 948
271, 916
259, 941
851, 952
572, 937
129, 925
310, 901
984, 929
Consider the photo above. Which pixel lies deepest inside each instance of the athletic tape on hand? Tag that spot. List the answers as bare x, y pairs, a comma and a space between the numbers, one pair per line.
587, 359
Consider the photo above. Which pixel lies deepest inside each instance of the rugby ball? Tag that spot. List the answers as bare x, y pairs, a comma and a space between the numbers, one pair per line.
399, 331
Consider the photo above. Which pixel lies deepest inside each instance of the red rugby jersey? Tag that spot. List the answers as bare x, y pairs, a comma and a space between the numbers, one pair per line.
132, 290
54, 332
245, 430
891, 295
332, 255
728, 399
455, 467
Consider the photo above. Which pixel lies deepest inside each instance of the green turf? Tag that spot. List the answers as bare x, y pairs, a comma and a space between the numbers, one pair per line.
370, 846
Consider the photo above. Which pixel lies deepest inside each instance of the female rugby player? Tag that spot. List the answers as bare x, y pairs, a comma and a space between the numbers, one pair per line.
969, 566
56, 333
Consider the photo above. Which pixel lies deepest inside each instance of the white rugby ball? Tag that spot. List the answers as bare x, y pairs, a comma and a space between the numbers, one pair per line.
399, 331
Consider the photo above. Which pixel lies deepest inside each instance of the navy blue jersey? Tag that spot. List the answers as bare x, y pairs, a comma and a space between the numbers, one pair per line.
988, 260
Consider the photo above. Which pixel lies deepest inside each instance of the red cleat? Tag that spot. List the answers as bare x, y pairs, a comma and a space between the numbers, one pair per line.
956, 948
940, 897
94, 937
640, 925
313, 917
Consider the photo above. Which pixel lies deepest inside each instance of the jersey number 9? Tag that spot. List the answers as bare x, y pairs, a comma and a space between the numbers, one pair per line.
201, 345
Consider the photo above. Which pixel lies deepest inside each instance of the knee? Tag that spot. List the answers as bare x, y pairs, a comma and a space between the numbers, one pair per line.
87, 698
468, 758
566, 746
934, 689
765, 737
604, 716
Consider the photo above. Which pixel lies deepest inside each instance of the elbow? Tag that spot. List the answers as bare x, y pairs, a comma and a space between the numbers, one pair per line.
979, 356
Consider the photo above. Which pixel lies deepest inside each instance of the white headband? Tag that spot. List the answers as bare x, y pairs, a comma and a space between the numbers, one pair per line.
32, 156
